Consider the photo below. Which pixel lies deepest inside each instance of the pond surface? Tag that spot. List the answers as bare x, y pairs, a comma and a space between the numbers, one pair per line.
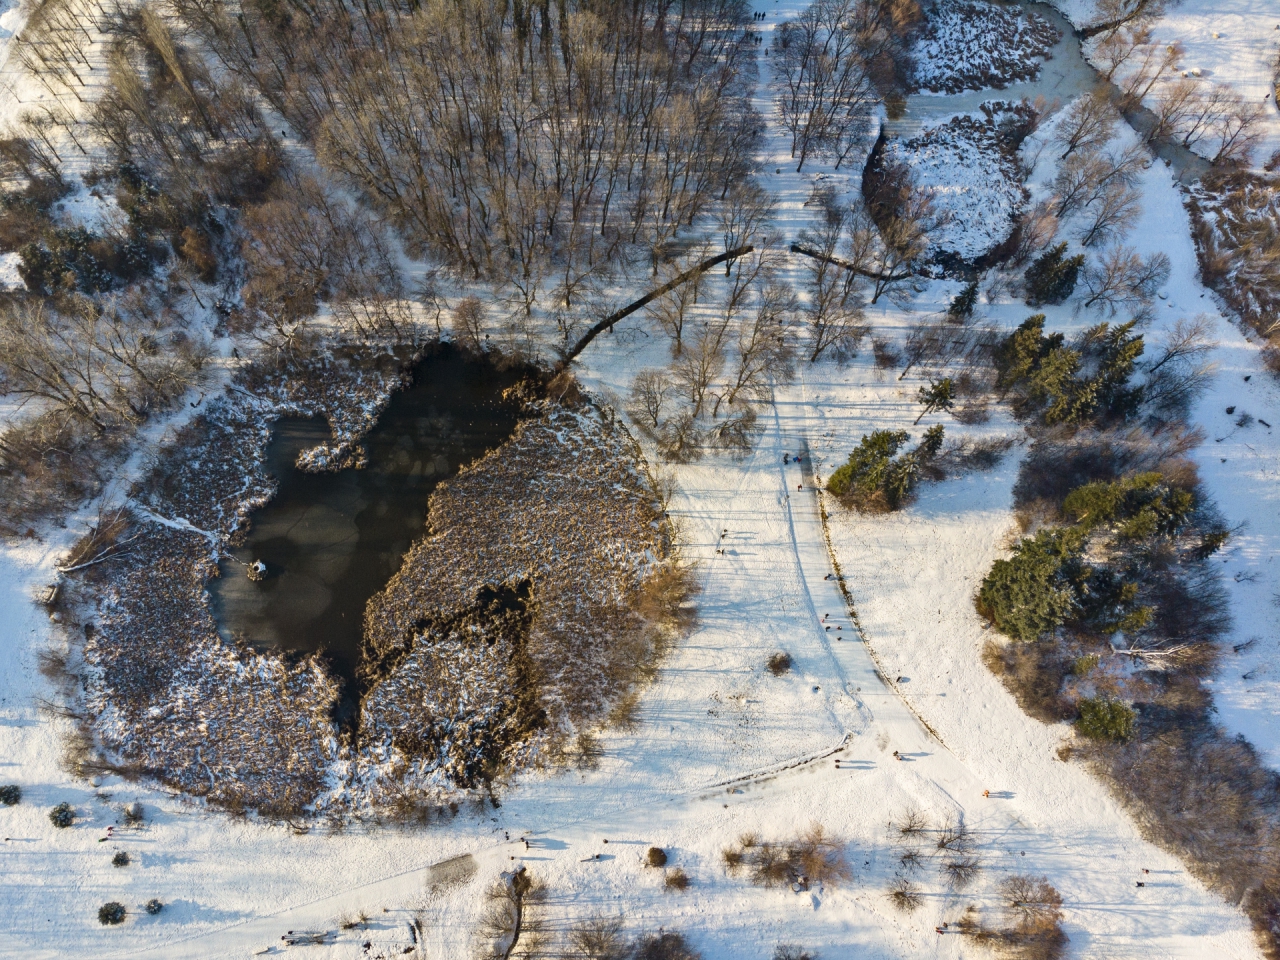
332, 540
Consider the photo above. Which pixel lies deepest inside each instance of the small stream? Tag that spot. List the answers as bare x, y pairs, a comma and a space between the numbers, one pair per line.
332, 540
1062, 78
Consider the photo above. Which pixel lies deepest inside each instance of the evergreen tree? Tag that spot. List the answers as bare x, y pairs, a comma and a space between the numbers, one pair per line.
962, 304
868, 464
1034, 591
939, 395
1052, 277
1102, 718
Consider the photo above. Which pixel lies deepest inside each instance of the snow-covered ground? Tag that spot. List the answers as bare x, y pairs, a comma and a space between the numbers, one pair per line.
722, 746
1235, 42
11, 17
976, 191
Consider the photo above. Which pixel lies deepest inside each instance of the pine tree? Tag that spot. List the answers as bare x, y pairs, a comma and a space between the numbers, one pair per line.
938, 395
1033, 592
1052, 277
961, 308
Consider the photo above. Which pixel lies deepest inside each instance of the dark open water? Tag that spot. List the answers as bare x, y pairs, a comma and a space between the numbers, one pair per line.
332, 540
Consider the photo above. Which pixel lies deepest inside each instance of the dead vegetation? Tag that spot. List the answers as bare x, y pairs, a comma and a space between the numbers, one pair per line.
968, 45
1032, 921
811, 858
528, 640
1236, 224
513, 926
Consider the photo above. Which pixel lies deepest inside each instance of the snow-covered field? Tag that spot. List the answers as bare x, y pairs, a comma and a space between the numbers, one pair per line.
722, 746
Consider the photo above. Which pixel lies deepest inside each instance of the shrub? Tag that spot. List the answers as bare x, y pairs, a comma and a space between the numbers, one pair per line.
110, 914
657, 857
779, 664
813, 857
677, 879
153, 907
665, 946
1102, 718
121, 859
1033, 673
1052, 277
599, 938
10, 794
1083, 666
134, 814
789, 951
63, 815
904, 894
1031, 593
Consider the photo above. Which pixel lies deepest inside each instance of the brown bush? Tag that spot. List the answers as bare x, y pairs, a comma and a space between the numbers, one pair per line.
665, 946
813, 857
1033, 673
676, 879
195, 248
779, 664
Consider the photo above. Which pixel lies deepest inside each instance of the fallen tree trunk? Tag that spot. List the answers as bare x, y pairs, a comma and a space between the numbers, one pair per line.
845, 264
631, 308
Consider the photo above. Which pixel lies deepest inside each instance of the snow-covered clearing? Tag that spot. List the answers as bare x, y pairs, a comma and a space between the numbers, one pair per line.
721, 746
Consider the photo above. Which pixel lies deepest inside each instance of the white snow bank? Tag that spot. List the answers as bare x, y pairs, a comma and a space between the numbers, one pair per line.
10, 279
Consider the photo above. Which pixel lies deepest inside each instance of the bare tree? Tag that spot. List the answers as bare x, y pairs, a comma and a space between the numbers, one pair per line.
1151, 65
1035, 230
888, 239
103, 365
765, 349
469, 323
1182, 369
746, 210
671, 310
1119, 48
651, 394
1122, 280
1111, 215
822, 85
701, 363
1085, 177
1177, 102
1087, 124
1111, 16
598, 938
833, 312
